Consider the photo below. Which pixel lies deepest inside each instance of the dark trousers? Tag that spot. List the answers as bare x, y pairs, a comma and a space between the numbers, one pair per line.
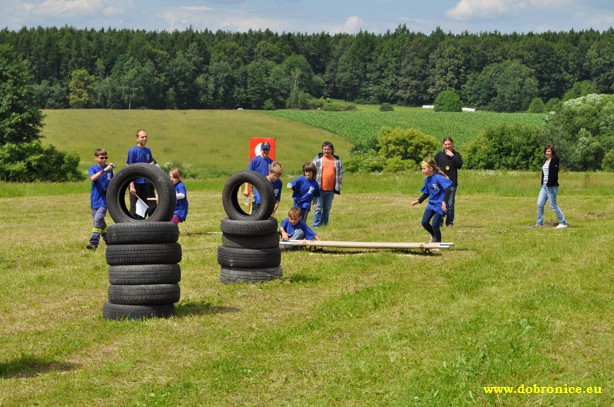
434, 230
143, 191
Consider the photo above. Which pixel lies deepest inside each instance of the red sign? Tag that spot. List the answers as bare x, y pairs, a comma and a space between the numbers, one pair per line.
256, 142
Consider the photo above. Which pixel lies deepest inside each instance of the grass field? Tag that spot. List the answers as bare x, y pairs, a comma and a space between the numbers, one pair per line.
507, 305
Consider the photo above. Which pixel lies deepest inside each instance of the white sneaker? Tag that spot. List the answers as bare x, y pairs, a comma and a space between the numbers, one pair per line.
561, 226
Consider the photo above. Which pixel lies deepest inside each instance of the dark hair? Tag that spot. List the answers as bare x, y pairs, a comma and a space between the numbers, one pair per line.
551, 148
447, 138
310, 166
328, 144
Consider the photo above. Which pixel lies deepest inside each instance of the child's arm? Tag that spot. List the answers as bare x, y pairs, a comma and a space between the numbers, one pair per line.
419, 200
284, 235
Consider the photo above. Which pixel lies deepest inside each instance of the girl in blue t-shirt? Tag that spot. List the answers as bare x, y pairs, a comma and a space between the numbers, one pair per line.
436, 189
181, 209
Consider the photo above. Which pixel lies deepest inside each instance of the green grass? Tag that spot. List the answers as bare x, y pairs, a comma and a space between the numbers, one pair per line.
506, 305
366, 122
207, 143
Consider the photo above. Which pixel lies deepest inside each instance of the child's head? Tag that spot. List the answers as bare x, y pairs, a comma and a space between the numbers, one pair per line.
310, 170
175, 175
429, 166
100, 155
294, 215
275, 171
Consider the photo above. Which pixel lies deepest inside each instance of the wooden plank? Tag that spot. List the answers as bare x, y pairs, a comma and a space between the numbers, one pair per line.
368, 245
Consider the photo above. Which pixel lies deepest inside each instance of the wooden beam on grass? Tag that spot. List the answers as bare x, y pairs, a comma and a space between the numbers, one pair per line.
367, 245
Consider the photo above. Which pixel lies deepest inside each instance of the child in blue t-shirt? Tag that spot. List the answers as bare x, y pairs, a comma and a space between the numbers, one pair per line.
181, 209
293, 228
275, 171
101, 174
304, 189
437, 189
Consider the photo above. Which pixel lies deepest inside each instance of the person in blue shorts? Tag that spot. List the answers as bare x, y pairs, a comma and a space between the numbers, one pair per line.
181, 209
275, 171
141, 187
437, 189
101, 174
293, 228
304, 189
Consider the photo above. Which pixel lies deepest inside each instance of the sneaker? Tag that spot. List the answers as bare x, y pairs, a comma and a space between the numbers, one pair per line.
91, 247
561, 226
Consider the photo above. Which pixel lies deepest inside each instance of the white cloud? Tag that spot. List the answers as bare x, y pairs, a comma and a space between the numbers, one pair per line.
351, 25
492, 9
72, 8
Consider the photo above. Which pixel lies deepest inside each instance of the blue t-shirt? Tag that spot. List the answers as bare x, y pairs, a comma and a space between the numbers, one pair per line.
260, 165
140, 155
303, 191
98, 193
435, 186
309, 234
277, 186
181, 209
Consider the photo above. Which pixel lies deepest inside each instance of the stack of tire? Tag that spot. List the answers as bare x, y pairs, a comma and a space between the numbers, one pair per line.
250, 251
143, 254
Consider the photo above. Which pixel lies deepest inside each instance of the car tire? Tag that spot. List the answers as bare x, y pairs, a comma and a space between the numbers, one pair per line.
248, 258
154, 253
145, 274
231, 190
144, 294
229, 275
142, 232
116, 193
249, 227
112, 311
269, 241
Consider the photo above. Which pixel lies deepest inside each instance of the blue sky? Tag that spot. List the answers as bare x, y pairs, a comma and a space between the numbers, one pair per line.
313, 16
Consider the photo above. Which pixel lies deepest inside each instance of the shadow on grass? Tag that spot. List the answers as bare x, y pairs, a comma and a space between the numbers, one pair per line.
202, 308
30, 366
351, 251
303, 278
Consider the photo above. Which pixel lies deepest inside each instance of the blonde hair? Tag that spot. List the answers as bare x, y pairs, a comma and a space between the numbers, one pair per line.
294, 212
176, 173
276, 168
428, 161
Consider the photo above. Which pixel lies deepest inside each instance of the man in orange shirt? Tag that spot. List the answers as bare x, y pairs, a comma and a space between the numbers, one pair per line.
329, 177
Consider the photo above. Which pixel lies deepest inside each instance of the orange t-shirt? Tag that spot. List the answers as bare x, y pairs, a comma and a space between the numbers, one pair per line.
329, 172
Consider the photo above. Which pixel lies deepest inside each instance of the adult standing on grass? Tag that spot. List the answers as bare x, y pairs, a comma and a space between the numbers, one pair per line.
101, 174
141, 187
260, 163
450, 161
550, 188
329, 177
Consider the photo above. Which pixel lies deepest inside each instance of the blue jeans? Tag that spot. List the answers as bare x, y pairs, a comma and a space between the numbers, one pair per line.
450, 206
548, 194
434, 230
321, 213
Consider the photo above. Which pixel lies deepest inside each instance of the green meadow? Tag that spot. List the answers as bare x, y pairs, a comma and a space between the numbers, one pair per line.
528, 310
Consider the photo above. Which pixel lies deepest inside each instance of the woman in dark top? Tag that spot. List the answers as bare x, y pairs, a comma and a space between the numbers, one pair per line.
550, 187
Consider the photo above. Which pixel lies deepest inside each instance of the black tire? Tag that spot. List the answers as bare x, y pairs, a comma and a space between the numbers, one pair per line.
155, 253
145, 274
122, 311
116, 194
248, 258
144, 294
269, 241
142, 232
230, 275
233, 186
249, 227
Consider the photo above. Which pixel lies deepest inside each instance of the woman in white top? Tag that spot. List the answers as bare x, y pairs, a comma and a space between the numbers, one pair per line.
550, 187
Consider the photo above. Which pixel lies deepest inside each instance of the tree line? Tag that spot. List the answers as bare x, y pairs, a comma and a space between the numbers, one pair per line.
191, 69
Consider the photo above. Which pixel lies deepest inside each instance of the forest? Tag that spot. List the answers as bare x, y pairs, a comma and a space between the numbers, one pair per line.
194, 69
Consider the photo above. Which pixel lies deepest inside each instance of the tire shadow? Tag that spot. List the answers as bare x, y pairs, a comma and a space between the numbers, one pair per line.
202, 308
30, 366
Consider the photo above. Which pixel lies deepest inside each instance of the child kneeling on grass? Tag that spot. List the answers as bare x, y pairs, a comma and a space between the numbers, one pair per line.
293, 228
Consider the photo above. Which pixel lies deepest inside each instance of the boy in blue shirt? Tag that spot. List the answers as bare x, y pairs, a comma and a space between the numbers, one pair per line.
275, 171
101, 174
181, 209
304, 189
293, 228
